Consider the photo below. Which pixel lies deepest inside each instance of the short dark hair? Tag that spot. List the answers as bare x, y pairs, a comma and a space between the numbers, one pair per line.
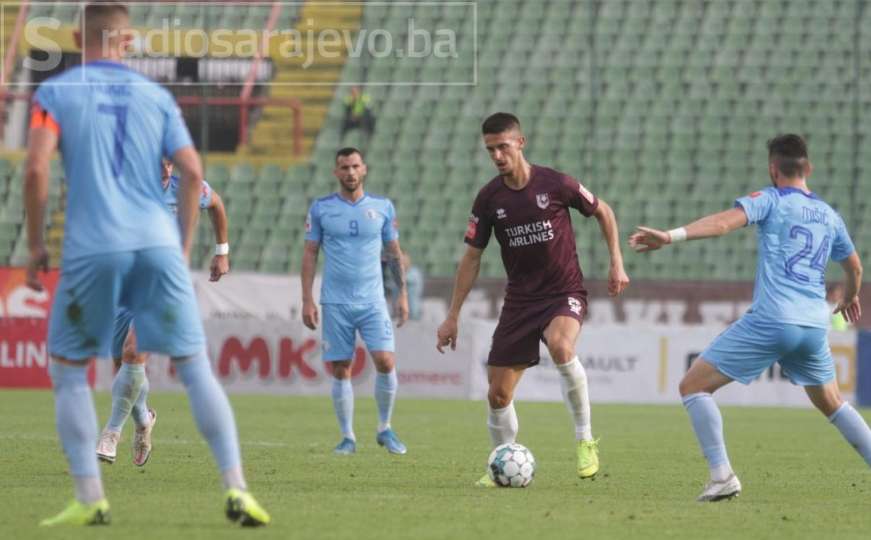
349, 151
500, 122
97, 17
789, 154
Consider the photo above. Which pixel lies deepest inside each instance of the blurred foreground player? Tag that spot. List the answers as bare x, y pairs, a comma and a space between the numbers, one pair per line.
527, 207
789, 319
354, 227
130, 387
121, 248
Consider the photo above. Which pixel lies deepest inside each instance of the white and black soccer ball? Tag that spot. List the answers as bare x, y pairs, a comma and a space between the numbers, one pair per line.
511, 465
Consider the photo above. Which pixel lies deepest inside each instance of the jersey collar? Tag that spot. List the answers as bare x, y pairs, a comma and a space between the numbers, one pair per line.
349, 203
788, 190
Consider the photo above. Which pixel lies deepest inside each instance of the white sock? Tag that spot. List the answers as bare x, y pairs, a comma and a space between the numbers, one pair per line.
503, 425
89, 489
573, 381
234, 479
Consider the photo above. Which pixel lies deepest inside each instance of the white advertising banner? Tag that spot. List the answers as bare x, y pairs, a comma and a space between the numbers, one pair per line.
257, 343
630, 364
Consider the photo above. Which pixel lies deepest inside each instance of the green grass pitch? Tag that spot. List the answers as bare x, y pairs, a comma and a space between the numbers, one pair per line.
801, 480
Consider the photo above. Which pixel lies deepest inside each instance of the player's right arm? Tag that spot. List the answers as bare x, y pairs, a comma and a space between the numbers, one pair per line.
42, 142
849, 306
719, 224
309, 264
467, 273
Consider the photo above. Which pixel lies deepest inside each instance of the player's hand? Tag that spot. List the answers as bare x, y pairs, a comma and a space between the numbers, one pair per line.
646, 239
402, 308
850, 309
310, 314
220, 266
617, 280
37, 261
447, 335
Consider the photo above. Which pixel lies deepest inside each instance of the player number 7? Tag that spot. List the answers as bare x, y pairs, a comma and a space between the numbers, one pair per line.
120, 114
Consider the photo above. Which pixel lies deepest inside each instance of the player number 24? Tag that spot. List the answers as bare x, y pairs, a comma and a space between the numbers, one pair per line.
817, 262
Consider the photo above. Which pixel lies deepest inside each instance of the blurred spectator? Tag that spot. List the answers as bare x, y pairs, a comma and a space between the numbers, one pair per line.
413, 282
358, 115
834, 297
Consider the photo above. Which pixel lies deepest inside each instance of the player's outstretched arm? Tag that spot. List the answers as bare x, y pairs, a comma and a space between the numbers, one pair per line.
40, 146
393, 255
719, 224
188, 163
467, 273
849, 306
309, 264
218, 216
617, 278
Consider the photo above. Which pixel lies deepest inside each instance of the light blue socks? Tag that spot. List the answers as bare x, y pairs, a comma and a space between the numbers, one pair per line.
708, 426
385, 397
853, 427
129, 391
77, 427
343, 403
211, 409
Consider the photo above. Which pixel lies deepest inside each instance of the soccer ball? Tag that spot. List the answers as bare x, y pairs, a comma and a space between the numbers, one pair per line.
511, 465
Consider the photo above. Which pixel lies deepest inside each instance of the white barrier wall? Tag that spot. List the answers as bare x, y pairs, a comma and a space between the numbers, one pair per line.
258, 344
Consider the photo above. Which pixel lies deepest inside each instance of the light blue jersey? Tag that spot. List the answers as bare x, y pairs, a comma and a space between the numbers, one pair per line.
352, 236
798, 234
115, 126
170, 194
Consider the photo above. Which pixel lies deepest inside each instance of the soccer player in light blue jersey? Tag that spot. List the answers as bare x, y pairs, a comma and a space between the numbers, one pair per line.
121, 248
353, 227
130, 387
789, 318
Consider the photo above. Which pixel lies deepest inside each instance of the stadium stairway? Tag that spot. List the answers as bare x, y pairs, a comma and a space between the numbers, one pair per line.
310, 79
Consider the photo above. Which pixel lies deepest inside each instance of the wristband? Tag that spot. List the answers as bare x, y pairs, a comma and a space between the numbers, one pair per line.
677, 235
222, 249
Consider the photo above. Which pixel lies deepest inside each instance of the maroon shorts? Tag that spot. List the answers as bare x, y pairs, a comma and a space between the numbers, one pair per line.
522, 324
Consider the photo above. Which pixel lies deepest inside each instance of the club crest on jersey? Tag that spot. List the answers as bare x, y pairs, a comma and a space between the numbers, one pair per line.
575, 305
500, 213
371, 214
542, 200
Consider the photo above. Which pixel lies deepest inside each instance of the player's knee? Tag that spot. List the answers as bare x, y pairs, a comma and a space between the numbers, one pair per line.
687, 386
341, 370
561, 351
384, 361
499, 398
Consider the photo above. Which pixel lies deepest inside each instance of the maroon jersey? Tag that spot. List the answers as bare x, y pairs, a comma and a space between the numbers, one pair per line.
534, 229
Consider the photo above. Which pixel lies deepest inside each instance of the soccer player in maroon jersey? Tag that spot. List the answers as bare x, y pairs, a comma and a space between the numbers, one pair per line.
527, 207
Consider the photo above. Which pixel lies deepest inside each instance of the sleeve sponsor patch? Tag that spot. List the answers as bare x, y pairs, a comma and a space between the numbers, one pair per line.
308, 223
472, 228
755, 194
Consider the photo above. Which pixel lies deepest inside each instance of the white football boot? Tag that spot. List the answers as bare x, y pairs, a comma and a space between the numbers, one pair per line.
107, 446
718, 491
142, 440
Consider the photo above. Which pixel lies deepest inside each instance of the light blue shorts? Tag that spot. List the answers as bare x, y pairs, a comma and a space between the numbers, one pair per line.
343, 321
750, 346
153, 284
123, 322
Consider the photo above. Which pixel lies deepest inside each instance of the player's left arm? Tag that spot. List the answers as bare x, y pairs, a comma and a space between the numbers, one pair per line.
393, 256
218, 216
719, 224
42, 143
617, 278
187, 160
